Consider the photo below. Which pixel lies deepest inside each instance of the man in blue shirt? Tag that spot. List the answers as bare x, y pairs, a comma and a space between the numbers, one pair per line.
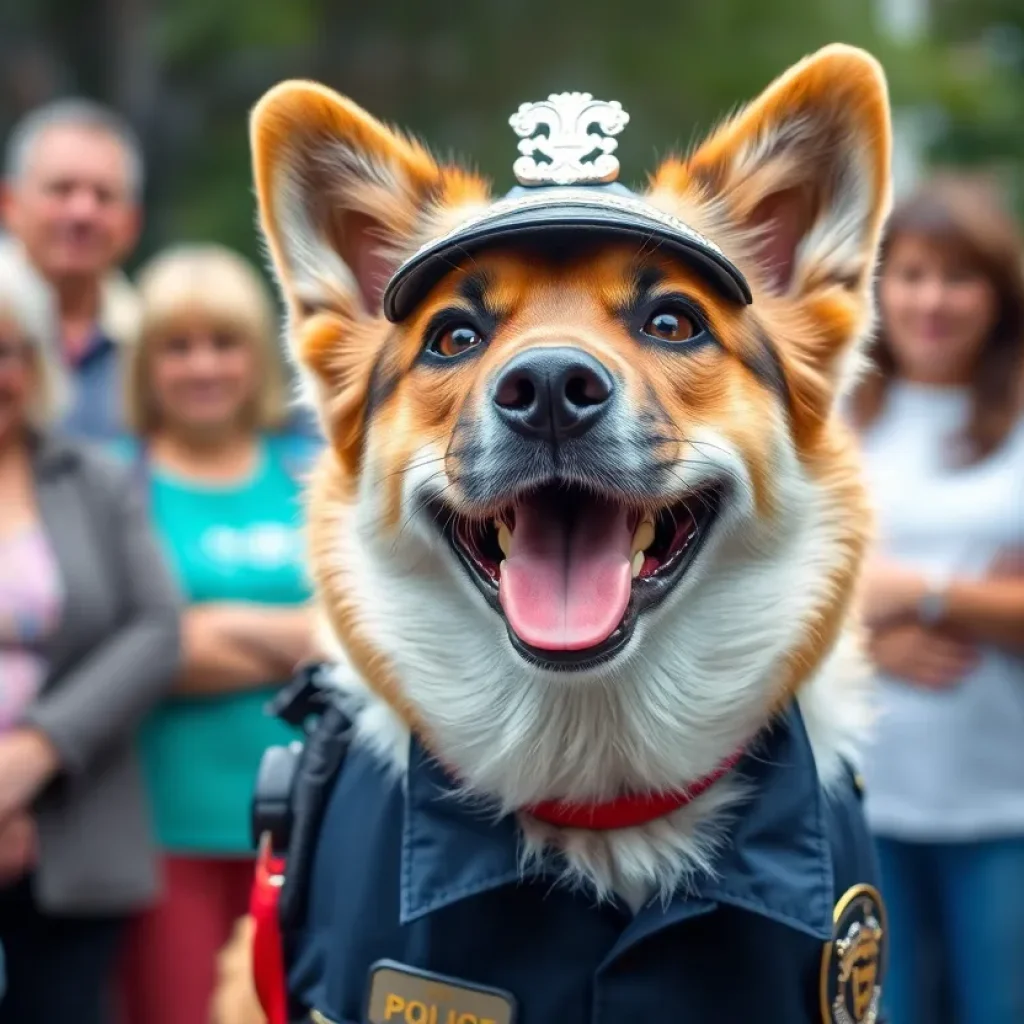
72, 198
73, 182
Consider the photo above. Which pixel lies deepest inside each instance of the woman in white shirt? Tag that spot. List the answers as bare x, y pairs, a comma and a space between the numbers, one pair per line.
943, 437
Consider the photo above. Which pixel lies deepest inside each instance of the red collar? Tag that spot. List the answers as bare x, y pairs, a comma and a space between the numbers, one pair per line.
627, 811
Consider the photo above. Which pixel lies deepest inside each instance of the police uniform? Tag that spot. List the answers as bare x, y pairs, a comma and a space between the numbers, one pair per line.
404, 904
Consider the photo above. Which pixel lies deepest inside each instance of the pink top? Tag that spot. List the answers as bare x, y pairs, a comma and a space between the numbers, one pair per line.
30, 605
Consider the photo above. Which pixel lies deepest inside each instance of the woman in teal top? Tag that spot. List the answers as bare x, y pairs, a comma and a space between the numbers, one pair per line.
205, 394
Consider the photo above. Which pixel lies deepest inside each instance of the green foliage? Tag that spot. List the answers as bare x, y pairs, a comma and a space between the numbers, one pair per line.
982, 95
453, 72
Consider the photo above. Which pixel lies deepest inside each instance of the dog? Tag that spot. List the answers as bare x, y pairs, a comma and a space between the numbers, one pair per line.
588, 521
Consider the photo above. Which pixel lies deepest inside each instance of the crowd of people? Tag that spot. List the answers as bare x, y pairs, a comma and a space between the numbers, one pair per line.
153, 591
152, 585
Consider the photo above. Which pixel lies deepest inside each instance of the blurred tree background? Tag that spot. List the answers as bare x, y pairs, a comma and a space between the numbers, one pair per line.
187, 71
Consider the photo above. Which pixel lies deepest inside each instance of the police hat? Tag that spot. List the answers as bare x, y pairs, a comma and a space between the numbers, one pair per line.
566, 197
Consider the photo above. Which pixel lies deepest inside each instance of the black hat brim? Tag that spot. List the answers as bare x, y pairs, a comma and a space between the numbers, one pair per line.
558, 224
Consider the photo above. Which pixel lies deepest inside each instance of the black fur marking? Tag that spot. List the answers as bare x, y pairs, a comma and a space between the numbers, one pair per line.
765, 364
384, 378
645, 279
473, 288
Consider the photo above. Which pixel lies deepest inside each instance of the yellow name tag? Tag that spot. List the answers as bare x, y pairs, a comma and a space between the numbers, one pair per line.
406, 995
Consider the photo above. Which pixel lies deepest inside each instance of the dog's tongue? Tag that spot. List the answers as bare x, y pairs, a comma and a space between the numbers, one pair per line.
565, 584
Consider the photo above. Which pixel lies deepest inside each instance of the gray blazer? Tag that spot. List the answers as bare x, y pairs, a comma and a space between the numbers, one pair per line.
112, 658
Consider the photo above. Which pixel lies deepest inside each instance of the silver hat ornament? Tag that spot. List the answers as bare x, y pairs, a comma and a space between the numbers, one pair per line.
569, 141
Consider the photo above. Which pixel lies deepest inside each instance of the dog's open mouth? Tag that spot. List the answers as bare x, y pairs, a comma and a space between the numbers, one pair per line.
570, 571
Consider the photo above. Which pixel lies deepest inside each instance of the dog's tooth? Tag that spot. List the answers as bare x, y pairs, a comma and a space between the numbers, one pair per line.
644, 536
501, 567
638, 563
504, 538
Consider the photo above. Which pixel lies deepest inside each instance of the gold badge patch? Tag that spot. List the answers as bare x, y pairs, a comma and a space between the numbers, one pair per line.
406, 995
854, 961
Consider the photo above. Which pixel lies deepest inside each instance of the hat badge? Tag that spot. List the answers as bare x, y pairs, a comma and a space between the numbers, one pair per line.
577, 145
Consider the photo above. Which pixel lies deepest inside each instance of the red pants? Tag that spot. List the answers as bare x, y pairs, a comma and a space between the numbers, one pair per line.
169, 967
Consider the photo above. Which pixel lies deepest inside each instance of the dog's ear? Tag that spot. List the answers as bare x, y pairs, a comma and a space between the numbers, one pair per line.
341, 198
803, 173
806, 168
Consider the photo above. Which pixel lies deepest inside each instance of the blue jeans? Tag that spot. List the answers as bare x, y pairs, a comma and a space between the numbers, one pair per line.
956, 928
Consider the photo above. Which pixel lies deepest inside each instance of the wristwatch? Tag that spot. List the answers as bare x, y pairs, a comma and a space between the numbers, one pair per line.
931, 608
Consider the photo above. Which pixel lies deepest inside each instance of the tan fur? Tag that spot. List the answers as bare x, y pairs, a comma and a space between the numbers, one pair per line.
342, 609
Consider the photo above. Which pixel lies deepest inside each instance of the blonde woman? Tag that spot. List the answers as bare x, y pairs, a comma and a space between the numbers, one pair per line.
206, 396
89, 642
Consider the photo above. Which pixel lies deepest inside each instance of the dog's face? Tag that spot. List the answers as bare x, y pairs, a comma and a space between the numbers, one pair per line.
582, 511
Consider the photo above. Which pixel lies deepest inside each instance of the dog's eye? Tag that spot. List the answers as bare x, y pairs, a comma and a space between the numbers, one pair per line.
454, 340
670, 325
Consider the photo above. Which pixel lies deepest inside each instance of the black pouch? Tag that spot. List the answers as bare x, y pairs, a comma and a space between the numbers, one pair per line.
295, 781
322, 758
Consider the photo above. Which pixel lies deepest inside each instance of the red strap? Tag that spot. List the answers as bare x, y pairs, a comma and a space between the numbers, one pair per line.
627, 811
267, 949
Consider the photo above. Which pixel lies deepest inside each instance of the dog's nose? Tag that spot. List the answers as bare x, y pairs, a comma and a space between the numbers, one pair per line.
553, 393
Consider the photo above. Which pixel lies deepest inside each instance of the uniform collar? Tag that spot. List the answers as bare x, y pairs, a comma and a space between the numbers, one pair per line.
776, 863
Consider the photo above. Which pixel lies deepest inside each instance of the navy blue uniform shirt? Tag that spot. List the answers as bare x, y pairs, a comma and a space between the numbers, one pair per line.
409, 874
